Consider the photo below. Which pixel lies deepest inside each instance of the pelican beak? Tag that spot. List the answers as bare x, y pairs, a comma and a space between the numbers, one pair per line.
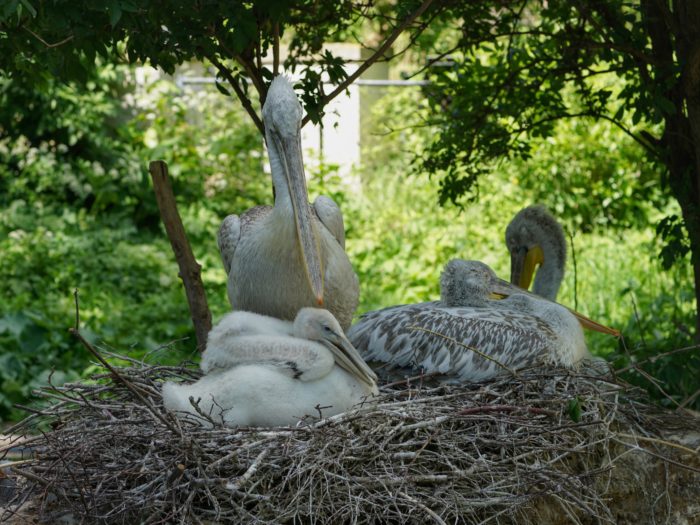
349, 359
501, 289
592, 325
307, 236
523, 262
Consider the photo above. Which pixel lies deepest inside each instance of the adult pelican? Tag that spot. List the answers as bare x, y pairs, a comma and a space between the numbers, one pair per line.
282, 258
470, 335
266, 372
535, 238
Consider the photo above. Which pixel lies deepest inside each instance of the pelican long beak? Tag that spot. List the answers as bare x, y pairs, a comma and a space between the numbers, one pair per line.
307, 236
349, 359
523, 262
501, 289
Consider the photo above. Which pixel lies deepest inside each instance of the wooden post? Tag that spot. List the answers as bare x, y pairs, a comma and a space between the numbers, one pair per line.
190, 270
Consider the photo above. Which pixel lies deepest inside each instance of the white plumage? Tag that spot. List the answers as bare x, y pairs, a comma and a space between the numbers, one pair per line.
267, 372
280, 259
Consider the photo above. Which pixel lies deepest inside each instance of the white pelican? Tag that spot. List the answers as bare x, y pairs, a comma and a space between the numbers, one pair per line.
267, 372
280, 259
535, 238
468, 335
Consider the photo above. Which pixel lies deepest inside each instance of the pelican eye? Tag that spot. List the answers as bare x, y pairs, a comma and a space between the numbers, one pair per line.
327, 329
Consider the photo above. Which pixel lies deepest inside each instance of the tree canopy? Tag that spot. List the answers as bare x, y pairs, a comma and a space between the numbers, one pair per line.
504, 77
64, 38
517, 68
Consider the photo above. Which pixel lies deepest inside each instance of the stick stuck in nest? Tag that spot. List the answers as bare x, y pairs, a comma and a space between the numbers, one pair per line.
506, 451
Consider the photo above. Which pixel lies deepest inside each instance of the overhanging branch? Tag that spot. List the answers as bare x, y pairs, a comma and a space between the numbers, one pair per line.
226, 73
372, 59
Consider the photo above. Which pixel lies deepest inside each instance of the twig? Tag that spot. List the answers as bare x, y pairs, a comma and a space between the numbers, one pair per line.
238, 484
428, 511
656, 357
49, 46
117, 376
77, 310
190, 269
374, 57
661, 442
573, 260
476, 351
245, 101
505, 408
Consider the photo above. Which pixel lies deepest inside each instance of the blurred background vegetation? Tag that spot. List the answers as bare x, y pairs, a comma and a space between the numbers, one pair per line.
77, 212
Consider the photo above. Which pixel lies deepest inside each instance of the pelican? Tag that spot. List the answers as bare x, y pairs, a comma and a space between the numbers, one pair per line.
468, 335
282, 258
266, 372
535, 238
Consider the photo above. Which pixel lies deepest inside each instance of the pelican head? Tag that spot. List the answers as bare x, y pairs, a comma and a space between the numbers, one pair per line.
282, 116
319, 325
465, 283
535, 238
474, 284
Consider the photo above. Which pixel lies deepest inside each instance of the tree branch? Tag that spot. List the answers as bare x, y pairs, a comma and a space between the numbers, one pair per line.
226, 73
372, 59
49, 46
253, 73
190, 270
276, 49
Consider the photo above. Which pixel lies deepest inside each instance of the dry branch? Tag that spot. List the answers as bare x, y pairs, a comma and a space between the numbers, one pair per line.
190, 270
506, 451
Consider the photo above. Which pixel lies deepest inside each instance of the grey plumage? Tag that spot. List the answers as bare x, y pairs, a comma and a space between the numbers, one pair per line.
282, 258
534, 227
467, 335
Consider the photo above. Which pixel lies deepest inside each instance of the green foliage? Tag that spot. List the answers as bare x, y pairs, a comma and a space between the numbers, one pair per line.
671, 230
521, 69
40, 40
55, 239
33, 354
78, 212
399, 239
573, 408
594, 177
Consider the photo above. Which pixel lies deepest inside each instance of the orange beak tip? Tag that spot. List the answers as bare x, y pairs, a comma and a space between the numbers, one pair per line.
319, 301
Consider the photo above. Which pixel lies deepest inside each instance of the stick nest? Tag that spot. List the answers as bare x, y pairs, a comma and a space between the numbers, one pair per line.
505, 451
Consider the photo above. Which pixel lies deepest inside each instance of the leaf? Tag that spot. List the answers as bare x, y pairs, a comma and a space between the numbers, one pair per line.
14, 323
665, 105
29, 7
115, 13
573, 408
221, 87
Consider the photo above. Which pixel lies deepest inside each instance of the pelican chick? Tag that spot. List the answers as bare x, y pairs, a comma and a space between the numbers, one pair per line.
468, 335
282, 258
535, 238
276, 379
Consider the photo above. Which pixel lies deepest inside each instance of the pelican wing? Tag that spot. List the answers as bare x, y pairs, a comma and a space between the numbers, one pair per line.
468, 343
227, 240
331, 217
233, 229
298, 358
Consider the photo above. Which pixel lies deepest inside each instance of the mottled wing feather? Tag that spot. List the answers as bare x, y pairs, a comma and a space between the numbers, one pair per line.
232, 230
436, 338
331, 217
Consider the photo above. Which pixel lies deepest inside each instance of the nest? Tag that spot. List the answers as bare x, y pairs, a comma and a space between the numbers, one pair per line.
505, 451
